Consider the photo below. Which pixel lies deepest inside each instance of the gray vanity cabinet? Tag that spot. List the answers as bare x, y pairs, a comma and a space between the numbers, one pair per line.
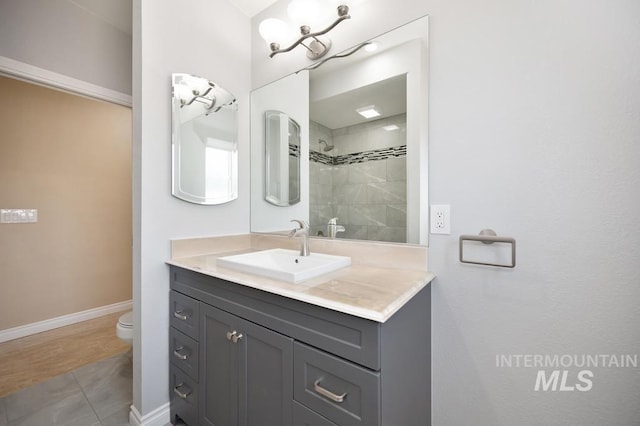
268, 360
246, 371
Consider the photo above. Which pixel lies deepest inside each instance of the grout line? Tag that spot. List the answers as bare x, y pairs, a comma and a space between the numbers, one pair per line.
84, 394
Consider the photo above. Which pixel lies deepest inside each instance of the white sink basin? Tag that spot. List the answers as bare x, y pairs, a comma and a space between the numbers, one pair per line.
285, 265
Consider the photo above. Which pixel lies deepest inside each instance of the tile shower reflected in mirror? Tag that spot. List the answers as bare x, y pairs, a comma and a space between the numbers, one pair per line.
358, 173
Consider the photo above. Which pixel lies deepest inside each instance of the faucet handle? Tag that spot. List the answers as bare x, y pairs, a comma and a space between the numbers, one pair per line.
333, 221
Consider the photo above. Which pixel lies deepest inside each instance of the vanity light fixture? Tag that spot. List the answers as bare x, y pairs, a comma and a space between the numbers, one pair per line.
368, 111
189, 89
302, 12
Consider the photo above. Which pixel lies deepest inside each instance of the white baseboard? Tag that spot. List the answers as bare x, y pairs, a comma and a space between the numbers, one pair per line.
48, 78
50, 324
161, 416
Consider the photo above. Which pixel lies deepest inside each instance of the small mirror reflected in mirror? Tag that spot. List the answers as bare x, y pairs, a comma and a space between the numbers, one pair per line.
282, 159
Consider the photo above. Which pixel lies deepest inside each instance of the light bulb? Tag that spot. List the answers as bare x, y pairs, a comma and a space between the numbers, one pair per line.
371, 47
182, 92
273, 30
197, 85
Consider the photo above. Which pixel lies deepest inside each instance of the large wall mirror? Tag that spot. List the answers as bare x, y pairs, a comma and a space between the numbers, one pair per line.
364, 140
204, 141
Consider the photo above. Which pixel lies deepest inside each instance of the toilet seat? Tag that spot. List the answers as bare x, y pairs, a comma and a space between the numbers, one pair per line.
126, 320
124, 328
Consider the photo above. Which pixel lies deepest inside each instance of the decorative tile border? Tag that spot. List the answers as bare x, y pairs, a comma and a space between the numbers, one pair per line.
359, 157
294, 150
318, 157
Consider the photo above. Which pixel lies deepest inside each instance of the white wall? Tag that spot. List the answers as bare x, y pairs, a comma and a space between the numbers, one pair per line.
61, 37
211, 39
534, 118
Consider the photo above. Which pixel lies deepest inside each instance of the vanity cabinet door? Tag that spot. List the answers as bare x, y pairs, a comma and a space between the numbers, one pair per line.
266, 377
246, 372
218, 368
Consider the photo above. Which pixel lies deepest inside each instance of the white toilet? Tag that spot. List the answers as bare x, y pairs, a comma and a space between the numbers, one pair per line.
124, 329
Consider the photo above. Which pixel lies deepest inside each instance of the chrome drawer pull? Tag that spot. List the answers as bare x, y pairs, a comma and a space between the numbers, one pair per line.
322, 391
182, 395
181, 315
179, 355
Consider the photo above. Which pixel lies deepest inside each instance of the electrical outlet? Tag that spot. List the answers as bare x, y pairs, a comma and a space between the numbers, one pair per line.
441, 219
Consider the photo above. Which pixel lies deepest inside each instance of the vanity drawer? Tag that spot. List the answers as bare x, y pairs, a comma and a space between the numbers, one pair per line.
341, 391
302, 416
183, 397
184, 313
183, 352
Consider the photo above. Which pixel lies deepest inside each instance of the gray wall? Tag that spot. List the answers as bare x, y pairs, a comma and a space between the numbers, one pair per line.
60, 37
534, 119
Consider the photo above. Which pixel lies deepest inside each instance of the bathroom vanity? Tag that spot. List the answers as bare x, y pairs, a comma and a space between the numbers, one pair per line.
243, 355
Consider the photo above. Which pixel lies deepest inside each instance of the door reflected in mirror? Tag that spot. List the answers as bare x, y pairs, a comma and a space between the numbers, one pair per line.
204, 141
282, 159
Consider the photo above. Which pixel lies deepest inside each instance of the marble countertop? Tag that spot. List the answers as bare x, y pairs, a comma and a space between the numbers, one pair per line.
362, 290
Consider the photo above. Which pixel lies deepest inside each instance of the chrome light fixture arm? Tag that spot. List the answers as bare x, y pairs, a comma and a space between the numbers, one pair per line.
343, 55
316, 48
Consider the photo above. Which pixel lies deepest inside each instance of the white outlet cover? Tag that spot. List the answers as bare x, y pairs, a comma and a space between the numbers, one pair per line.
440, 219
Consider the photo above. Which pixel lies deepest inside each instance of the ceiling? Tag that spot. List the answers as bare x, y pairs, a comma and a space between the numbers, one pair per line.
118, 12
389, 96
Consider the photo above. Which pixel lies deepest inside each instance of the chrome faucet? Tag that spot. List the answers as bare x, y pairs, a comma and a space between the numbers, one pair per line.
303, 232
333, 228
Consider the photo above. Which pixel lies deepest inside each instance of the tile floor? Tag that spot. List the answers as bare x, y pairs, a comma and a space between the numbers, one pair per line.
98, 394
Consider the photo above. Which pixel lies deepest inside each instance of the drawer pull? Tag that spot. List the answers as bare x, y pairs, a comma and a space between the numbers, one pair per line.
181, 394
180, 355
328, 394
181, 315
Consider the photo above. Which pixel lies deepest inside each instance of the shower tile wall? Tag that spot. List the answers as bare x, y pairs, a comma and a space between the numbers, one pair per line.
362, 181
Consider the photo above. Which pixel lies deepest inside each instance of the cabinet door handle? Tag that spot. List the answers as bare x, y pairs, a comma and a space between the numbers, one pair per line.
181, 315
181, 394
234, 336
328, 394
179, 354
